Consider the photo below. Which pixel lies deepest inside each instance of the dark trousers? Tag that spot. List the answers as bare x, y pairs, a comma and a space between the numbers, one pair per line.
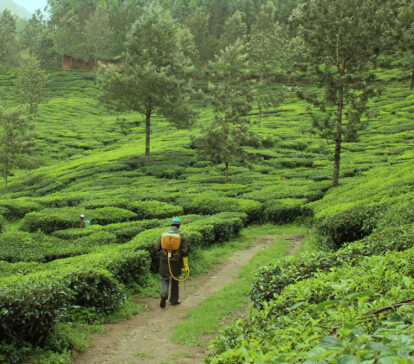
165, 282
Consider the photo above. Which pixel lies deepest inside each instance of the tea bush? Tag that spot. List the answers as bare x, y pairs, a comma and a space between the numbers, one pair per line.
347, 223
18, 208
93, 288
2, 223
30, 305
127, 264
110, 215
395, 231
308, 310
154, 209
208, 204
38, 247
50, 220
285, 210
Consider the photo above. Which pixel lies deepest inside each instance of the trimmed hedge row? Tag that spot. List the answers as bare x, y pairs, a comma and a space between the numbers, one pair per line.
19, 246
351, 222
271, 280
50, 220
31, 305
308, 310
124, 232
154, 209
286, 210
18, 208
209, 204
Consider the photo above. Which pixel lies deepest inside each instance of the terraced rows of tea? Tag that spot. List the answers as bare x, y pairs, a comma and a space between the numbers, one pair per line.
90, 165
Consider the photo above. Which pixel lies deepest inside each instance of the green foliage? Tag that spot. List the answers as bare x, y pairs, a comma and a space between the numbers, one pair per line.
306, 311
154, 209
222, 139
286, 210
19, 207
394, 231
30, 306
16, 141
21, 246
155, 74
49, 220
29, 85
94, 288
8, 41
208, 203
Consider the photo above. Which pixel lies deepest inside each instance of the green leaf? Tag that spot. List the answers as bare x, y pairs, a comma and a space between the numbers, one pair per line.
347, 359
329, 341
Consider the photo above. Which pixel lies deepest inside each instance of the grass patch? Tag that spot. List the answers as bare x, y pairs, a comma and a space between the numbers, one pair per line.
208, 318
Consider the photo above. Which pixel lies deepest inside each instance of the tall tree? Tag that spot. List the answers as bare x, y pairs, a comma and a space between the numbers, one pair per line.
234, 28
99, 36
155, 74
266, 52
30, 36
341, 40
222, 139
8, 40
404, 31
29, 85
16, 141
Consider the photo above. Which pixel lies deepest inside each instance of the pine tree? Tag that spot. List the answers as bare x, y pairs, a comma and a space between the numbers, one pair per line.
30, 84
341, 42
222, 139
16, 141
155, 74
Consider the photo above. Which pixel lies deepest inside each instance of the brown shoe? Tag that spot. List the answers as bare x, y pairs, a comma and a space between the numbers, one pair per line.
175, 303
162, 302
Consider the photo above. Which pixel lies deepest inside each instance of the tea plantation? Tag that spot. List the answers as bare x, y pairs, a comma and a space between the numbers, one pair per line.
308, 308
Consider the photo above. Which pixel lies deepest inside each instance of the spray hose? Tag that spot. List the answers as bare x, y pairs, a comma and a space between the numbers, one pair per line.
172, 275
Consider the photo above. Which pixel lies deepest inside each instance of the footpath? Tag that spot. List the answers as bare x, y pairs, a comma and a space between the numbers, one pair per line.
146, 338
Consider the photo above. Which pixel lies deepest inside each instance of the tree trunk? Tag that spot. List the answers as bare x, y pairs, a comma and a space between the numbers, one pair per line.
227, 171
338, 138
147, 133
259, 102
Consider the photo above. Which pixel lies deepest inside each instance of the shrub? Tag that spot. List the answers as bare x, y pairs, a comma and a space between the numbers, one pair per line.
61, 199
29, 306
154, 209
94, 288
2, 223
208, 204
346, 223
110, 215
50, 220
107, 202
18, 208
305, 311
271, 279
20, 246
127, 264
285, 210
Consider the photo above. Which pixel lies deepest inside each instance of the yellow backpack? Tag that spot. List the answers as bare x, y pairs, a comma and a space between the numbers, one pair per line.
170, 241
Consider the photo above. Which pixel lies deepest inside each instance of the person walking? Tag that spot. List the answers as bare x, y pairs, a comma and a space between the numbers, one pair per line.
173, 261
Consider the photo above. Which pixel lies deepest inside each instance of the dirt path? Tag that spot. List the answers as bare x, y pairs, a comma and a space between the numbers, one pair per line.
145, 338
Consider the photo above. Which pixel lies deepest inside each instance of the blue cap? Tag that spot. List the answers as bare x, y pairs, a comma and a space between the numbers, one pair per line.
175, 221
